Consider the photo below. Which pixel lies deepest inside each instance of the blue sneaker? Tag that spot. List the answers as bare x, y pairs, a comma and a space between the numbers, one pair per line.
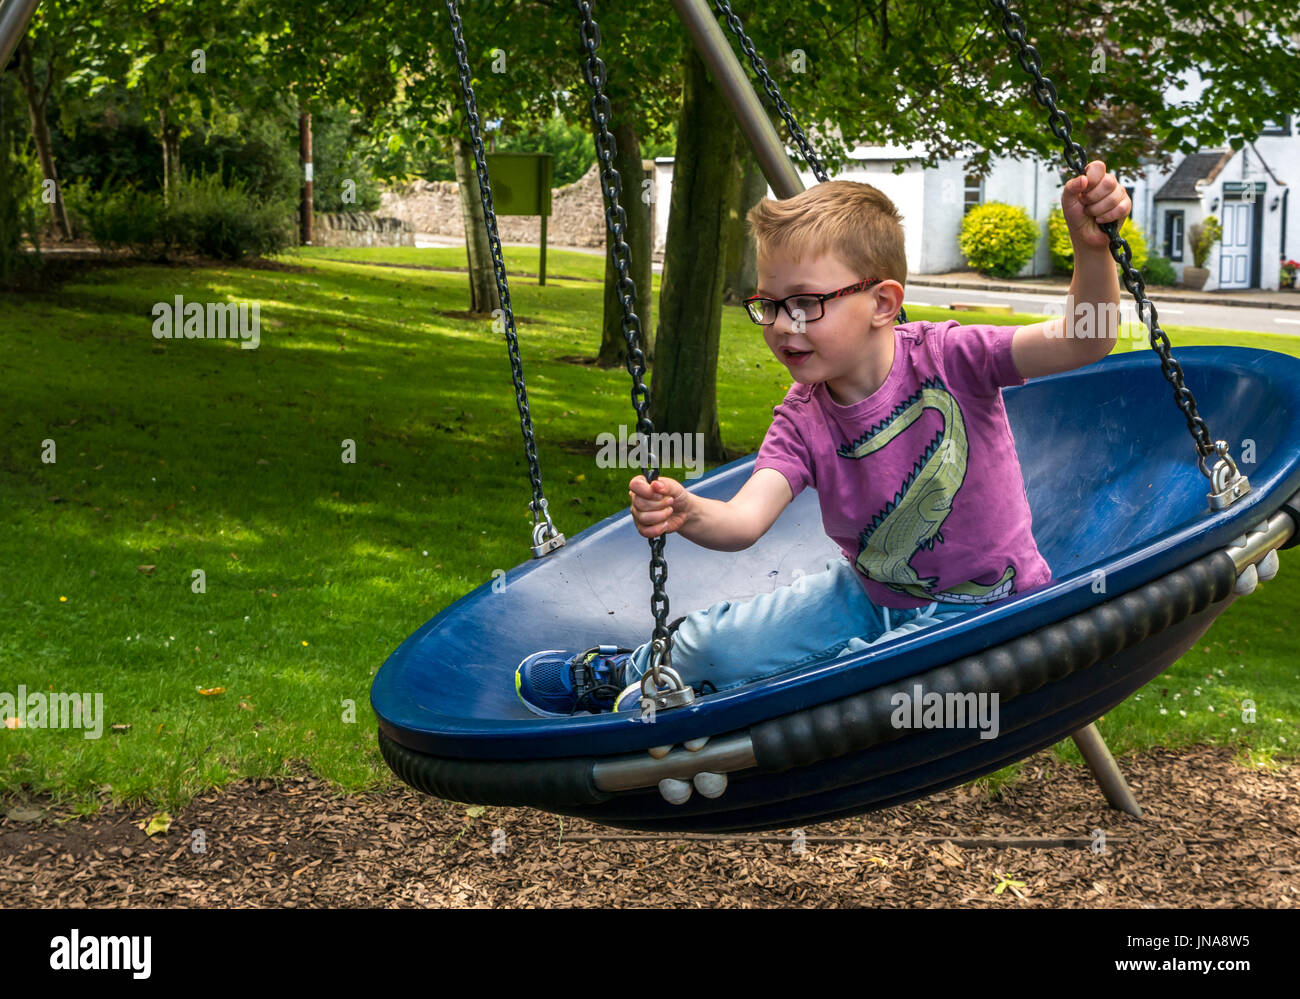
629, 699
555, 684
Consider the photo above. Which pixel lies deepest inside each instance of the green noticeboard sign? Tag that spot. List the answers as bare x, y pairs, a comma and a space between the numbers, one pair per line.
521, 185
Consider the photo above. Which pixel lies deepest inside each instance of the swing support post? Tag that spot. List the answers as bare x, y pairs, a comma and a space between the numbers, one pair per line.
14, 15
731, 79
725, 68
1106, 771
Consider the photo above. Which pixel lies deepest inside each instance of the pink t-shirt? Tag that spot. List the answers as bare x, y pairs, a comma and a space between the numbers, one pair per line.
919, 483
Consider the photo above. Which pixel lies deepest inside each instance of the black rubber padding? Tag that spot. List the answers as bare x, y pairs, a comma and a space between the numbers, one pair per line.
1292, 507
1017, 667
534, 783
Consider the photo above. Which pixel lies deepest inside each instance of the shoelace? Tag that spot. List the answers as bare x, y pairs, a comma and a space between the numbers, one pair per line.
588, 692
603, 690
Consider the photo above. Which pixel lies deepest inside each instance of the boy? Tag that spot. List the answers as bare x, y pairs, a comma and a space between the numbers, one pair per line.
900, 429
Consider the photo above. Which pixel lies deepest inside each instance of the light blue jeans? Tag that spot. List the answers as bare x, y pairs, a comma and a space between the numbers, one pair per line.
819, 617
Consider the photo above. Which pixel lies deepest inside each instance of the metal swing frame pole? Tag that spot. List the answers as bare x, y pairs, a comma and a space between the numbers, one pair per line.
732, 81
14, 16
715, 50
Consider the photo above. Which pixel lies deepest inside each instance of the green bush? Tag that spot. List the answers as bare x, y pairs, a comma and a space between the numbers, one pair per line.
1204, 235
215, 220
259, 152
1062, 249
1159, 271
118, 219
1058, 242
202, 216
998, 239
1137, 244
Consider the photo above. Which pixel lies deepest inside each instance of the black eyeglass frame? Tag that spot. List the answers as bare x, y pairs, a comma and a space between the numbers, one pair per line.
821, 301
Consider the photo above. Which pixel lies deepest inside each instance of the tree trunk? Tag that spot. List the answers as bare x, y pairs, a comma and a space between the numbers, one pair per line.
41, 136
639, 238
705, 179
742, 260
306, 219
170, 135
483, 294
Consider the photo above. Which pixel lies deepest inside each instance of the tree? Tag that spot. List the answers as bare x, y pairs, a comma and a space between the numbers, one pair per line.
173, 43
317, 54
742, 262
640, 240
37, 92
705, 184
188, 62
484, 295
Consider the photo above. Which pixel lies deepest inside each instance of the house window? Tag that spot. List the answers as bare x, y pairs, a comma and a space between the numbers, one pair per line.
1282, 127
1174, 235
974, 192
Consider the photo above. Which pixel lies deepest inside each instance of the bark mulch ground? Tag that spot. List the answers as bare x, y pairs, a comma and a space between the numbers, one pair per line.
1215, 834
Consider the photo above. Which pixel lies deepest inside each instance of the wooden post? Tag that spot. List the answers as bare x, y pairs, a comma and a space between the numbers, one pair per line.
304, 157
541, 277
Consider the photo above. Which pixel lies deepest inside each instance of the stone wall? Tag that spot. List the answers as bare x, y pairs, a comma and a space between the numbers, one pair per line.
360, 229
577, 212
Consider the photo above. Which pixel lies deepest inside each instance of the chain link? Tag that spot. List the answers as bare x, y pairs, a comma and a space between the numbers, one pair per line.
615, 221
760, 70
538, 504
1013, 26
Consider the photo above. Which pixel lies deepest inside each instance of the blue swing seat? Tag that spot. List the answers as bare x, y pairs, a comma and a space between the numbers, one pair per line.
1113, 486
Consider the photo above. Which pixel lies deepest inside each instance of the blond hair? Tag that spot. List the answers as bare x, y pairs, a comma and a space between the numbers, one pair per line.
855, 221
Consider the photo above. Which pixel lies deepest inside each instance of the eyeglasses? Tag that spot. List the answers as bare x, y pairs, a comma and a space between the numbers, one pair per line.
810, 307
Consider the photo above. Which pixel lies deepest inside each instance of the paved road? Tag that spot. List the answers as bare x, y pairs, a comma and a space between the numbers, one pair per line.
1233, 317
1173, 313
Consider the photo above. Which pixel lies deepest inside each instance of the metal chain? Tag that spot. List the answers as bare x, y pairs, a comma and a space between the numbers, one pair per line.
760, 70
1013, 26
615, 220
545, 536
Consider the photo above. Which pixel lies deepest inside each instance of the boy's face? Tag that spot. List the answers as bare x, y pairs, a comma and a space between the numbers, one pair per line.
831, 347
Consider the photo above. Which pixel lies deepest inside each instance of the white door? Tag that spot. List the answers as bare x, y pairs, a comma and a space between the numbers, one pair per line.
1234, 249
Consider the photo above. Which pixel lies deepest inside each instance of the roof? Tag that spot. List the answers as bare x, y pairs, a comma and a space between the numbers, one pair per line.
1196, 167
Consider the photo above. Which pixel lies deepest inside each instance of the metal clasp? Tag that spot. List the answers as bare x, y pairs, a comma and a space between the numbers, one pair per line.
1227, 482
661, 683
545, 537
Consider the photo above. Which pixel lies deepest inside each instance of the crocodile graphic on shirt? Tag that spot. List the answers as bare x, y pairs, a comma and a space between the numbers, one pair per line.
914, 518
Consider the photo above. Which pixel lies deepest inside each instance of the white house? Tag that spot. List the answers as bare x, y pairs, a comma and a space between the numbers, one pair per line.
1248, 191
932, 201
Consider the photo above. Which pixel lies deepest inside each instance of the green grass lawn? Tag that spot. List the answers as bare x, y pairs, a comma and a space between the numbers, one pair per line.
176, 456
